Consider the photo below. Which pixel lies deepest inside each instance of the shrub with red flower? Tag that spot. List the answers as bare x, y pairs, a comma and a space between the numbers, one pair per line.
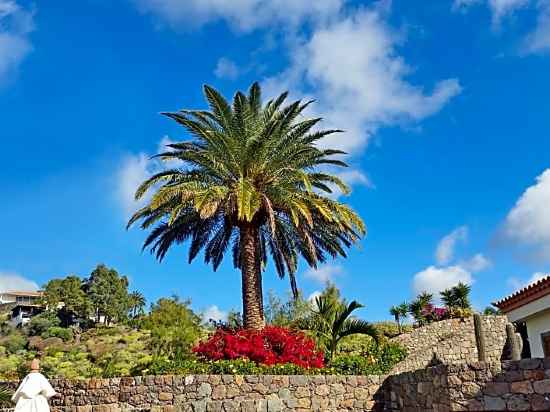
434, 314
269, 346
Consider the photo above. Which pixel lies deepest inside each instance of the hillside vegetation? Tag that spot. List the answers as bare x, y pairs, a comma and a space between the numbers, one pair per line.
99, 329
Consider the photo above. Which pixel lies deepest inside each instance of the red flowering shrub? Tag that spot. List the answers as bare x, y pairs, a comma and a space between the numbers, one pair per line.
272, 345
434, 314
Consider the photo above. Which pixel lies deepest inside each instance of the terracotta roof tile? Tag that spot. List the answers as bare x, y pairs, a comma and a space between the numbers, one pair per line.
525, 295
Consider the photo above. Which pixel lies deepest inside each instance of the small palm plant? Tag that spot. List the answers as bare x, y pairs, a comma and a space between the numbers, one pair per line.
462, 295
457, 300
332, 321
448, 298
399, 312
394, 311
416, 306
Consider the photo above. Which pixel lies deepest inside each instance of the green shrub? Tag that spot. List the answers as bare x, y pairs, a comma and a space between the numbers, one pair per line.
39, 324
377, 363
365, 356
174, 328
163, 365
390, 329
9, 365
57, 332
14, 343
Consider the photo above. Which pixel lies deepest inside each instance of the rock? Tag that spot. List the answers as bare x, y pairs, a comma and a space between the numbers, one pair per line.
496, 388
524, 387
493, 404
165, 396
205, 390
274, 405
518, 403
542, 387
533, 363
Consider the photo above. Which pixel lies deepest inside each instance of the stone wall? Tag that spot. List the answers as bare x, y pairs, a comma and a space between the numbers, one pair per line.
451, 341
220, 393
476, 386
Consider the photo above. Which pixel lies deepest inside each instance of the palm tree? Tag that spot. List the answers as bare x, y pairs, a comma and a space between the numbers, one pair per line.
461, 294
491, 311
399, 312
136, 303
416, 306
250, 181
394, 311
403, 309
448, 298
331, 322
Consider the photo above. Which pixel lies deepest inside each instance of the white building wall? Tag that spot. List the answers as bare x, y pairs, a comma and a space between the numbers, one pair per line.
537, 325
531, 309
6, 298
536, 316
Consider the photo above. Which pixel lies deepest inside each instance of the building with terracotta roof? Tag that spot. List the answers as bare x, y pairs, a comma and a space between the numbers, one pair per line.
20, 297
531, 306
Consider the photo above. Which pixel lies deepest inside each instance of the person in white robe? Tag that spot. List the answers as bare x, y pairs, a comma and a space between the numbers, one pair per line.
33, 392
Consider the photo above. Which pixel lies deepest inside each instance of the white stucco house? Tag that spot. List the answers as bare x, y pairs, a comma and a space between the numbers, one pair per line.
24, 305
531, 306
20, 297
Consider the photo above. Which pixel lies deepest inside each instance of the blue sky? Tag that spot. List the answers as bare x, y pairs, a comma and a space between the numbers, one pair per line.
445, 105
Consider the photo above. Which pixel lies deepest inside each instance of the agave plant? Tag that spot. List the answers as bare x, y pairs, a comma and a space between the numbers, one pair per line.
251, 180
5, 396
331, 321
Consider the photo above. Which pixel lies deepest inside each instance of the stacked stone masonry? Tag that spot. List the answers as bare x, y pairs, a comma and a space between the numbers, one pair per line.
475, 386
219, 393
451, 341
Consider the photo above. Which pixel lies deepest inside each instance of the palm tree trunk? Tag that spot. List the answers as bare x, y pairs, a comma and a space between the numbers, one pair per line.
253, 310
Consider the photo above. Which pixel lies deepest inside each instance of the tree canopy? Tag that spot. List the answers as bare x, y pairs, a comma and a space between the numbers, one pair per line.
252, 180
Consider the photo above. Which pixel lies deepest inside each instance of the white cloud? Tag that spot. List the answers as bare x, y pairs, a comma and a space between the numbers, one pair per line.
435, 279
516, 284
538, 41
477, 263
241, 15
444, 252
535, 42
134, 170
10, 281
16, 24
351, 177
314, 295
528, 223
346, 58
352, 67
355, 177
214, 313
325, 273
226, 69
501, 8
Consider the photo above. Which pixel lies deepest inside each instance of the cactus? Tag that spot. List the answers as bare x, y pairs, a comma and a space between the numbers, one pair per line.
512, 342
519, 341
480, 338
